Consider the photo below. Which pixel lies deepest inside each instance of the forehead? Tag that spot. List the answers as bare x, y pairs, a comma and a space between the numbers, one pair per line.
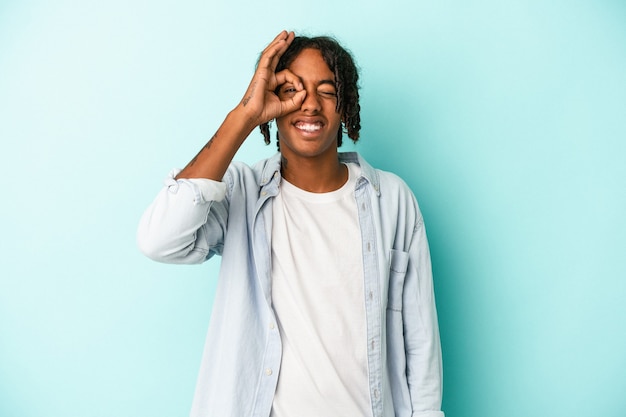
310, 65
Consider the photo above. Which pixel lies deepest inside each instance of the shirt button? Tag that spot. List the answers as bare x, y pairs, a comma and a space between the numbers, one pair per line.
376, 393
264, 193
268, 372
271, 326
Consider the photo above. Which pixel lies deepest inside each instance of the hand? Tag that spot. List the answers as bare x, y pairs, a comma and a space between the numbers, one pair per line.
260, 102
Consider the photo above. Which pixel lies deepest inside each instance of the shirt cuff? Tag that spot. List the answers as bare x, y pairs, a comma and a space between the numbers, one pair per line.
204, 190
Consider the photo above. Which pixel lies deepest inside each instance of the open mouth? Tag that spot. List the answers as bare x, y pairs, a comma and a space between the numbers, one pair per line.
309, 127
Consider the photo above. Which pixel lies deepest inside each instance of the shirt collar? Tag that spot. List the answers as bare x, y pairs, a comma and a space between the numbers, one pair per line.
368, 173
271, 169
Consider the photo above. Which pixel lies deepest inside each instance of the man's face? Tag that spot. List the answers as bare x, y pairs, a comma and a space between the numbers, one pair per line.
311, 131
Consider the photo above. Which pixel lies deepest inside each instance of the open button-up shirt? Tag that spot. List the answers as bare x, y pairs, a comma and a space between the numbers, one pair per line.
192, 220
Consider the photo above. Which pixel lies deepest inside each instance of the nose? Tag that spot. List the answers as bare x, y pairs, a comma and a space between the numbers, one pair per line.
311, 102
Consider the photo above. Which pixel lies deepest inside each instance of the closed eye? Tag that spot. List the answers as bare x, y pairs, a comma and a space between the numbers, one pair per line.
327, 94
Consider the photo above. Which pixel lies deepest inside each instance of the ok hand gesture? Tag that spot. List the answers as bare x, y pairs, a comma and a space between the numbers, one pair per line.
260, 102
259, 105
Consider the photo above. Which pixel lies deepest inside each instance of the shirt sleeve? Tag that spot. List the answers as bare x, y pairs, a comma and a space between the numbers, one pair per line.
422, 342
186, 221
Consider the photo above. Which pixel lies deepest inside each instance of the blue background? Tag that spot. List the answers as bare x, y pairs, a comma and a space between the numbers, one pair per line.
506, 118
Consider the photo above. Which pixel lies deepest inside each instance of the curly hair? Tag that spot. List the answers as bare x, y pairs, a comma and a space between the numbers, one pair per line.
341, 63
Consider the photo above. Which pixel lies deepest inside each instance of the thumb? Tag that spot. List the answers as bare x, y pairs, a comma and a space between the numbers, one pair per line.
293, 103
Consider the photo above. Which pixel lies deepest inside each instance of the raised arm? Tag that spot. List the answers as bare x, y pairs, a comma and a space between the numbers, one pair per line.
187, 220
259, 105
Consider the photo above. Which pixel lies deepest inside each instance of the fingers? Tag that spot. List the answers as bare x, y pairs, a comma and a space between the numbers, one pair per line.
261, 99
290, 101
283, 38
286, 76
280, 37
281, 48
272, 53
292, 104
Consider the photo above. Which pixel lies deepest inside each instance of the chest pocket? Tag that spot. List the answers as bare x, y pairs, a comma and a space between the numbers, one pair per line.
399, 260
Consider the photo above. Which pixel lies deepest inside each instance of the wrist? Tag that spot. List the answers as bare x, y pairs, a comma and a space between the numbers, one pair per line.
243, 117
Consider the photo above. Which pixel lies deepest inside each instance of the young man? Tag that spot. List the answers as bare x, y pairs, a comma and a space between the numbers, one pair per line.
325, 303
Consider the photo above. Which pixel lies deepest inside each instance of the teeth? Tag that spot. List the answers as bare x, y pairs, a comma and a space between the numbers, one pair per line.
309, 127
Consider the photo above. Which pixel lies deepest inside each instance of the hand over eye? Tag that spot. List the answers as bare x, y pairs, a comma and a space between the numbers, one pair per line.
260, 100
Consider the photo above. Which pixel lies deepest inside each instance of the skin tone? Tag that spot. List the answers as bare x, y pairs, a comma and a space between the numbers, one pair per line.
305, 114
308, 136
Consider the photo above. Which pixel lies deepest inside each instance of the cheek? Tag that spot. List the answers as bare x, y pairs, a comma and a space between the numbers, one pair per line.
281, 128
281, 124
336, 120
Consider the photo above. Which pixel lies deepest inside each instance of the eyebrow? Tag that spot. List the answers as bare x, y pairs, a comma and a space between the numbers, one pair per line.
331, 82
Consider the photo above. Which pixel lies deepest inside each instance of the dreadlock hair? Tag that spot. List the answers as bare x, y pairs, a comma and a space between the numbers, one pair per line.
341, 63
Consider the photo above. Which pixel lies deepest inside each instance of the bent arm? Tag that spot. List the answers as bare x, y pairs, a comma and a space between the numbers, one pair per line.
422, 342
187, 221
259, 105
213, 159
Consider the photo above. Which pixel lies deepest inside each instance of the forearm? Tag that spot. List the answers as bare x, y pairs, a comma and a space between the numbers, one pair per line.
259, 105
213, 159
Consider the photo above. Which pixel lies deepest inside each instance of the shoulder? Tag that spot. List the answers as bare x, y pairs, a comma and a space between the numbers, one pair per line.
393, 184
389, 184
394, 188
394, 194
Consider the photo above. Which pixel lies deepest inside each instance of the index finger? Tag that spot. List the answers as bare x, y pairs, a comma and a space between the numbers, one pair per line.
286, 76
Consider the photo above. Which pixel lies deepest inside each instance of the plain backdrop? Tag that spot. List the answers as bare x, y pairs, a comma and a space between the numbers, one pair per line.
506, 118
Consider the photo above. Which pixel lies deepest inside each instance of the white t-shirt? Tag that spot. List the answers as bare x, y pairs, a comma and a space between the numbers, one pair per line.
317, 294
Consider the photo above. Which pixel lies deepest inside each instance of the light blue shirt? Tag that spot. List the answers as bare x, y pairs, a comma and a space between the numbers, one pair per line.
192, 220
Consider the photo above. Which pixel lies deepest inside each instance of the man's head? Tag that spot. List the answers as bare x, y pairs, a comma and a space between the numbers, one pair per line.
341, 63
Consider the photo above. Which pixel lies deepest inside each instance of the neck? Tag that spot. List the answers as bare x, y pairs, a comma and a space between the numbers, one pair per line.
314, 176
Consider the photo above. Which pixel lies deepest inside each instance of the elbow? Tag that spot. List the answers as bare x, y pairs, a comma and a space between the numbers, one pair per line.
162, 246
155, 242
151, 246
